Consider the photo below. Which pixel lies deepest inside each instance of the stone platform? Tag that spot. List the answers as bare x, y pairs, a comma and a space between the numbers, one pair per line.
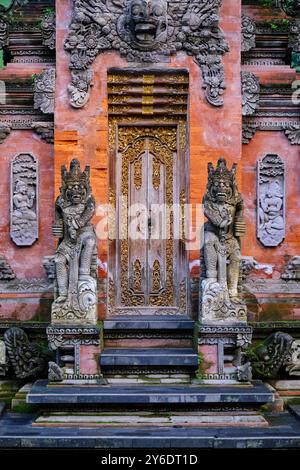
43, 393
16, 431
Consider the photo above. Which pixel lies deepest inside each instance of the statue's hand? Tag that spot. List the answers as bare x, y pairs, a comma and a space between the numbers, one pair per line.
57, 229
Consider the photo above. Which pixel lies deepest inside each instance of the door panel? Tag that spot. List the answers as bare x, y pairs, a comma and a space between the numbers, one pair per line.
149, 262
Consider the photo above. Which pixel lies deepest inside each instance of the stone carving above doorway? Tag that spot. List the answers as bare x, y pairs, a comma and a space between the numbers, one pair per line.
271, 200
24, 200
146, 31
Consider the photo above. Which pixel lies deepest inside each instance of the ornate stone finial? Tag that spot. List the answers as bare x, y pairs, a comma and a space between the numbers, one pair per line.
76, 255
292, 269
294, 36
28, 359
4, 132
250, 93
268, 357
293, 134
48, 27
45, 130
248, 33
44, 91
223, 207
248, 131
6, 272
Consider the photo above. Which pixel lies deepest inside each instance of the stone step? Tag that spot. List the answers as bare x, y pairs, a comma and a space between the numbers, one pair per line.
149, 331
254, 394
176, 322
135, 419
122, 359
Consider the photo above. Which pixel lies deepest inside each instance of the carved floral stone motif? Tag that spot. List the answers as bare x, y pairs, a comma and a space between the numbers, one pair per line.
48, 27
248, 33
271, 200
269, 356
27, 359
24, 200
248, 131
292, 269
6, 272
49, 266
223, 207
294, 37
3, 33
44, 91
45, 131
293, 134
293, 364
250, 93
146, 31
5, 130
76, 254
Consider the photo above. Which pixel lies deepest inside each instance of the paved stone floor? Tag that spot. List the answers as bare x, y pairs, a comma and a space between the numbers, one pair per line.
16, 431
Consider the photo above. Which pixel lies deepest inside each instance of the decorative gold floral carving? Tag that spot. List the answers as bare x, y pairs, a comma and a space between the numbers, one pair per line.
156, 276
182, 199
111, 213
137, 276
138, 174
167, 135
156, 173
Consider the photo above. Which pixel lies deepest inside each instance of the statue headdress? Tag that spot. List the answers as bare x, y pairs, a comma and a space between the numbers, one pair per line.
222, 172
75, 175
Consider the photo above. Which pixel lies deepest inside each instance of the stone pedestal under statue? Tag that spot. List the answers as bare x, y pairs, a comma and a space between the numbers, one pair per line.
73, 333
223, 333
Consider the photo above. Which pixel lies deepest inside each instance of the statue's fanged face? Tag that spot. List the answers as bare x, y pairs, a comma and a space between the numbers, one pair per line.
76, 193
221, 189
147, 21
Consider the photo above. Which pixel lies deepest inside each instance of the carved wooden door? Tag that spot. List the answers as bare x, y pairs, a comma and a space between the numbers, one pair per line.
149, 274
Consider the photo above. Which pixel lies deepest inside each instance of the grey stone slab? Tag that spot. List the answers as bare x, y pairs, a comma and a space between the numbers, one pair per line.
41, 393
149, 357
295, 410
283, 432
148, 323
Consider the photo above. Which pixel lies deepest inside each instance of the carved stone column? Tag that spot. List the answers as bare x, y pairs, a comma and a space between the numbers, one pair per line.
223, 334
74, 334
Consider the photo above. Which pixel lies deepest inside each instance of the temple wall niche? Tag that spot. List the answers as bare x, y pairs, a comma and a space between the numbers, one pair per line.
27, 261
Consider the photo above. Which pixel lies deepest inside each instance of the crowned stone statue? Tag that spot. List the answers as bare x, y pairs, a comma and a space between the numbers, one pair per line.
76, 254
223, 207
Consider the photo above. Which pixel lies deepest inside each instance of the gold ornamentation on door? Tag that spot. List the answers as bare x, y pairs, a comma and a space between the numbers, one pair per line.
156, 276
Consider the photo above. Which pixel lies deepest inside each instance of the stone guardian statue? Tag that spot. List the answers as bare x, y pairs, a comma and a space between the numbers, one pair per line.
76, 254
223, 207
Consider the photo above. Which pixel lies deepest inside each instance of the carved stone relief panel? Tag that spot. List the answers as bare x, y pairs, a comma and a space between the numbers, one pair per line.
248, 33
44, 87
24, 200
147, 32
270, 200
250, 93
48, 26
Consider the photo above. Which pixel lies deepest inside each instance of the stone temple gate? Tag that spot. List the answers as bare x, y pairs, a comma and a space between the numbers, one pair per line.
149, 220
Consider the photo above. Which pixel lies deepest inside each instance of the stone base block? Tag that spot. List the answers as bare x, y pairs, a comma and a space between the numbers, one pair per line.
221, 353
77, 353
